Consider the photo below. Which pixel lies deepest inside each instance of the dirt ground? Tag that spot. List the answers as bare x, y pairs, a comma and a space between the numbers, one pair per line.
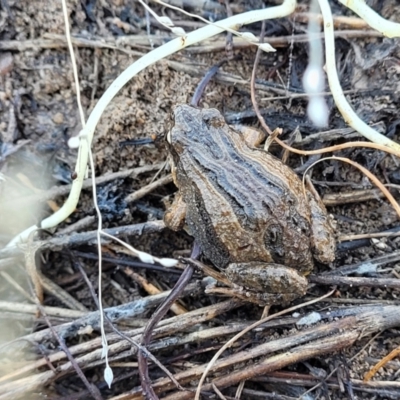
39, 114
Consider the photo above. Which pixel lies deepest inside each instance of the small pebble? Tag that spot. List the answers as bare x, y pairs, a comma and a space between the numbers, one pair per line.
58, 118
309, 319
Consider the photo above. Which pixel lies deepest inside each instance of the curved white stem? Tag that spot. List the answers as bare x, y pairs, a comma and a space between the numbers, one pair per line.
373, 19
344, 107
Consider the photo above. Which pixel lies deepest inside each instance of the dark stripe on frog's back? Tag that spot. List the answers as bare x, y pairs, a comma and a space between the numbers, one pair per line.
225, 162
200, 226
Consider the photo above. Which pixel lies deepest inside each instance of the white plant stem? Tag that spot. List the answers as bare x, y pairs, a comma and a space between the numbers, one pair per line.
344, 107
373, 19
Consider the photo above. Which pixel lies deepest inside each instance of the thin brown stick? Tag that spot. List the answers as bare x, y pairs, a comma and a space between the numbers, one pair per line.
54, 41
371, 235
86, 238
374, 180
354, 196
32, 309
143, 191
281, 41
394, 353
252, 85
304, 380
392, 283
125, 311
58, 191
77, 226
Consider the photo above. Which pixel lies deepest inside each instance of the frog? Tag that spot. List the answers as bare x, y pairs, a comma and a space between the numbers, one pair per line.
248, 211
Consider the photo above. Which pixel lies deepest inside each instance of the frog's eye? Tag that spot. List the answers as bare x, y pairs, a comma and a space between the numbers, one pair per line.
273, 240
273, 234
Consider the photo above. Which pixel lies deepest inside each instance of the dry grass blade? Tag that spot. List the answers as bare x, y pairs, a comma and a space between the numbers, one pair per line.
394, 353
367, 173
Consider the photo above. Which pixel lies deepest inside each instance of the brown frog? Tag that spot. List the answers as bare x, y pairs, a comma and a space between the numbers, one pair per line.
246, 209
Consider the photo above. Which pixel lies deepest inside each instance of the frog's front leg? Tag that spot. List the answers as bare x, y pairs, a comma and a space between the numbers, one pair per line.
273, 283
175, 216
323, 244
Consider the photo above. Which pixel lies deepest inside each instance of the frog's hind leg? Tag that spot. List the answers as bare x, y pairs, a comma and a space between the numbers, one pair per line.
266, 283
322, 233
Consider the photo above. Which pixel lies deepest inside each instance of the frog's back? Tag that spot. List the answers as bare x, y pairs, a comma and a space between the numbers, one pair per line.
259, 183
252, 202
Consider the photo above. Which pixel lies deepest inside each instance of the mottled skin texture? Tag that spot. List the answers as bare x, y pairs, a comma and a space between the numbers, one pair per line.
245, 208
